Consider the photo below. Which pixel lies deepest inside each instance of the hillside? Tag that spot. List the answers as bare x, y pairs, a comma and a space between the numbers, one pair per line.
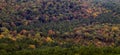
31, 15
53, 26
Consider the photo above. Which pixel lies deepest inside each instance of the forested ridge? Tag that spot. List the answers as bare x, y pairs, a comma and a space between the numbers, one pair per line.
51, 27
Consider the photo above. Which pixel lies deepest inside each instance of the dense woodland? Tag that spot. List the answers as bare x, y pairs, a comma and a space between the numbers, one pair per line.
59, 27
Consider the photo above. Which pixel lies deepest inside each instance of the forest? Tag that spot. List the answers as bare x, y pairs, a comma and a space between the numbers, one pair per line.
59, 27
